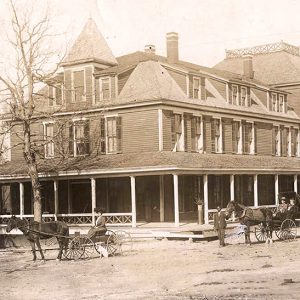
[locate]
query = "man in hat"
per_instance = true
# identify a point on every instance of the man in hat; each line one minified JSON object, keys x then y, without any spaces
{"x":282,"y":207}
{"x":220,"y":225}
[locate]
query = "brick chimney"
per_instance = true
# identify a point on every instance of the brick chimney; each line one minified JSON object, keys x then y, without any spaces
{"x":150,"y":49}
{"x":172,"y":47}
{"x":248,"y":66}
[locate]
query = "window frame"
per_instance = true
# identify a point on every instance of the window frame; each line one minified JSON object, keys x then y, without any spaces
{"x":83,"y":97}
{"x":83,"y":122}
{"x":237,"y":94}
{"x":51,"y":143}
{"x":101,"y":79}
{"x":243,"y":88}
{"x":199,"y":87}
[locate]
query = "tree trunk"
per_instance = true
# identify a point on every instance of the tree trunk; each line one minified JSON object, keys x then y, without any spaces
{"x":30,"y":159}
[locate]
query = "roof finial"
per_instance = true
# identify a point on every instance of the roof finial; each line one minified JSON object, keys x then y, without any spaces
{"x":93,"y":9}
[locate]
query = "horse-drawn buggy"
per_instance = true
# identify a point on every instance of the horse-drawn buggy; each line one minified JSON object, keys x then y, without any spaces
{"x":282,"y":219}
{"x":71,"y":247}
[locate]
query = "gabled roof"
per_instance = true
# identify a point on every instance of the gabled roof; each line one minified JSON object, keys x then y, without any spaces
{"x":272,"y":68}
{"x":150,"y":81}
{"x":90,"y":45}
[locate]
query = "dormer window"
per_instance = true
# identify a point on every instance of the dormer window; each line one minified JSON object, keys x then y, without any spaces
{"x":78,"y":86}
{"x":243,"y":100}
{"x":196,"y":88}
{"x":105,"y":88}
{"x":234,"y":94}
{"x":55,"y":95}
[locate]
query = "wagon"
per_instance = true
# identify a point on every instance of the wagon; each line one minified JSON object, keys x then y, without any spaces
{"x":111,"y":244}
{"x":284,"y":226}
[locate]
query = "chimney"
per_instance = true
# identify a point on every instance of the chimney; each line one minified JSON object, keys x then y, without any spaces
{"x":150,"y":49}
{"x":172,"y":47}
{"x":248,"y":66}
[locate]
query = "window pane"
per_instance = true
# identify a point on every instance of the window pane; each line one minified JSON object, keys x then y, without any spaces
{"x":105,"y":88}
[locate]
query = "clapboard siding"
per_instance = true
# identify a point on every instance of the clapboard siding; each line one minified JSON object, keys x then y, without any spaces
{"x":264,"y":139}
{"x":261,"y":95}
{"x":179,"y":78}
{"x":227,"y":135}
{"x":140,"y":131}
{"x":219,"y":86}
{"x":122,"y":79}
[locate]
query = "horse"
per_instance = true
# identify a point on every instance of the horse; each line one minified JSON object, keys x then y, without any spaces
{"x":251,"y":216}
{"x":34,"y":231}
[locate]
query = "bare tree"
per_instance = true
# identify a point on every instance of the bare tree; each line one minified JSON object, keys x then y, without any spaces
{"x":32,"y":66}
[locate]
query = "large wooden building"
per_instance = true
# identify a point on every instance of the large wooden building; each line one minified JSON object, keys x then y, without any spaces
{"x":148,"y":135}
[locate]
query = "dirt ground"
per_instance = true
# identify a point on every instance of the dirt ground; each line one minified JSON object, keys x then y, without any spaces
{"x":159,"y":270}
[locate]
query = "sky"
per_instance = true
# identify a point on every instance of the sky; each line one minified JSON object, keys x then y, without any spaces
{"x":205,"y":27}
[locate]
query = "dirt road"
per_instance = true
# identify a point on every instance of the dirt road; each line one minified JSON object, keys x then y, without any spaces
{"x":159,"y":270}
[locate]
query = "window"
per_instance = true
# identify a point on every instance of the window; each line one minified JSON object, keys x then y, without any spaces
{"x":105,"y":88}
{"x":216,"y":135}
{"x":281,"y":103}
{"x":234,"y":94}
{"x":48,"y":138}
{"x":243,"y":100}
{"x":196,"y":134}
{"x":247,"y":129}
{"x":78,"y":86}
{"x":236,"y":137}
{"x":55,"y":95}
{"x":274,"y":102}
{"x":276,"y":146}
{"x":196,"y":88}
{"x":79,"y":142}
{"x":177,"y":132}
{"x":5,"y":146}
{"x":110,"y":135}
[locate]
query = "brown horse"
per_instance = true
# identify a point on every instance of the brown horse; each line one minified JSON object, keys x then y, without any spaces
{"x":34,"y":231}
{"x":251,"y":216}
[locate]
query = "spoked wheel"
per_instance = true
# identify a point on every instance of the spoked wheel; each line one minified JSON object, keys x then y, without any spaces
{"x":124,"y":241}
{"x":88,"y":246}
{"x":112,"y":244}
{"x":279,"y":234}
{"x":288,"y":230}
{"x":75,"y":249}
{"x":260,"y":233}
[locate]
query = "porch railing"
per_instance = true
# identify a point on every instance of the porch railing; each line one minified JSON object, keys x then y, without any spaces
{"x":83,"y":219}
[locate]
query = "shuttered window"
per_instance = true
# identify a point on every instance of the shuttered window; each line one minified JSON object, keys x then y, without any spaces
{"x":274,"y":102}
{"x":235,"y":136}
{"x":176,"y":132}
{"x":196,"y":134}
{"x":79,"y":138}
{"x":243,"y":100}
{"x":48,"y":138}
{"x":247,"y":137}
{"x":110,"y":135}
{"x":78,"y":86}
{"x":283,"y":142}
{"x":281,"y":103}
{"x":215,"y":135}
{"x":276,"y":143}
{"x":294,"y":135}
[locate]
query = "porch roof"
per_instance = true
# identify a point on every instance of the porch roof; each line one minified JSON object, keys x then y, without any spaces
{"x":158,"y":162}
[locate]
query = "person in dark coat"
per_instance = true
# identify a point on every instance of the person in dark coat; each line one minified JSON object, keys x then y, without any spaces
{"x":220,"y":225}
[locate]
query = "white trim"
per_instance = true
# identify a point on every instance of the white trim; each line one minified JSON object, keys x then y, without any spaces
{"x":93,"y":196}
{"x":227,"y":92}
{"x":296,"y":183}
{"x":133,"y":200}
{"x":276,"y":189}
{"x":237,"y":94}
{"x":255,"y":189}
{"x":205,"y":191}
{"x":231,"y":187}
{"x":176,"y":200}
{"x":101,"y":87}
{"x":45,"y":139}
{"x":199,"y":89}
{"x":246,"y":96}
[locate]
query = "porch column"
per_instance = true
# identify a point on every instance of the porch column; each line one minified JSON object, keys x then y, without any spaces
{"x":161,"y":199}
{"x":296,"y":183}
{"x":55,"y":187}
{"x":93,"y":193}
{"x":276,"y":189}
{"x":231,"y":187}
{"x":176,"y":200}
{"x":255,"y":189}
{"x":205,"y":190}
{"x":133,"y":200}
{"x":21,"y":185}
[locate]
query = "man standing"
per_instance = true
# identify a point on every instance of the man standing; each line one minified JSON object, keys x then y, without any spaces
{"x":220,"y":225}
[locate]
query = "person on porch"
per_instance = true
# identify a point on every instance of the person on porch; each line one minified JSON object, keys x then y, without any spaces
{"x":220,"y":225}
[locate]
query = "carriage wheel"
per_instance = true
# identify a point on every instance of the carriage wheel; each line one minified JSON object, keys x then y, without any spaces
{"x":107,"y":245}
{"x":261,"y":233}
{"x":112,"y":244}
{"x":279,"y":234}
{"x":75,"y":249}
{"x":124,"y":241}
{"x":289,"y":230}
{"x":88,"y":246}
